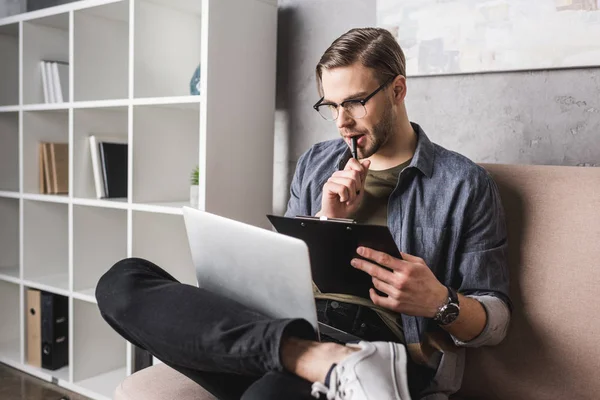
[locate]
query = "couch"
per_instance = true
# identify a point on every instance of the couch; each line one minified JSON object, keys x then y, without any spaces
{"x":552,"y":350}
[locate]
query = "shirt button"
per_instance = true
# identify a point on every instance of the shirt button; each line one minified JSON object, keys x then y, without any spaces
{"x":335,"y":304}
{"x":363,"y":325}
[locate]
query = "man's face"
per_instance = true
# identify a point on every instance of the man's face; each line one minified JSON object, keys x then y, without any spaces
{"x":356,"y":82}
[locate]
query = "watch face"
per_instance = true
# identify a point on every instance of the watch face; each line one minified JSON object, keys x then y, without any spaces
{"x":450,"y":314}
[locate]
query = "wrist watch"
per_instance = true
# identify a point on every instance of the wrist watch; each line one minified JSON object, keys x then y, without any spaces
{"x":448,"y":312}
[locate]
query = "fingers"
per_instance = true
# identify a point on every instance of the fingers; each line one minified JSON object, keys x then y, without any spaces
{"x":380,"y":258}
{"x":361,"y":167}
{"x":412,"y":259}
{"x":386,"y":302}
{"x":339,"y":189}
{"x":386,"y":288}
{"x":375,"y":271}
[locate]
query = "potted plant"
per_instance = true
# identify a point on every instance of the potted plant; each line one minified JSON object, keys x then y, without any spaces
{"x":194,"y":187}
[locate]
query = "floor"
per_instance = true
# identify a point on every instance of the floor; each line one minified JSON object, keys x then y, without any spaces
{"x":15,"y":385}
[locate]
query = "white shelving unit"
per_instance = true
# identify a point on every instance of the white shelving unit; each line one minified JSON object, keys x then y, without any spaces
{"x":130,"y":66}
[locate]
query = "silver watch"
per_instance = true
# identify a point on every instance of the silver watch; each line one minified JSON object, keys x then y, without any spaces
{"x":448,"y":312}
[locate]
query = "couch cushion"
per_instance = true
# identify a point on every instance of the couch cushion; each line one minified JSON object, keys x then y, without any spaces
{"x":552,"y":349}
{"x":160,"y":382}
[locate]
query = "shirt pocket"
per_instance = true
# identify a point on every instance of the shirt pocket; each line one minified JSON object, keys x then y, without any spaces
{"x":431,"y":244}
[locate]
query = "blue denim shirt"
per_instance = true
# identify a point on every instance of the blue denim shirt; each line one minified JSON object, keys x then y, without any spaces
{"x":445,"y":209}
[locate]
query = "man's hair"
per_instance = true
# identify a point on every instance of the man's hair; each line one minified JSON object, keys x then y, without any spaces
{"x":375,"y":48}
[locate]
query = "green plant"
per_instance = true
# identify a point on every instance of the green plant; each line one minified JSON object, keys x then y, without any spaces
{"x":194,"y":176}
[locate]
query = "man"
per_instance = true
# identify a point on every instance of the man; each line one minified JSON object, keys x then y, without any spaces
{"x":449,"y":290}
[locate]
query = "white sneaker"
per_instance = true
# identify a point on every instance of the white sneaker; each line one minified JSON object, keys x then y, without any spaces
{"x":376,"y":372}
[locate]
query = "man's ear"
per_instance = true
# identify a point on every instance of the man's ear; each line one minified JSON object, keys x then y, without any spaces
{"x":399,"y":85}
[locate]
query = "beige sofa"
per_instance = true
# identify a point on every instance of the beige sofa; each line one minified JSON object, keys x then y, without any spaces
{"x":552,"y":350}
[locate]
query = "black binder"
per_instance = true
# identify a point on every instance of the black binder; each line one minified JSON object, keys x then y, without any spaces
{"x":332,"y":244}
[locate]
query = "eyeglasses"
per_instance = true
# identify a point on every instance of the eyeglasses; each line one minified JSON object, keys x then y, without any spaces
{"x":355,"y":107}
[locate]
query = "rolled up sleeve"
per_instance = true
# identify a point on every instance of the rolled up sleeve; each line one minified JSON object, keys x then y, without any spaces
{"x":483,"y":260}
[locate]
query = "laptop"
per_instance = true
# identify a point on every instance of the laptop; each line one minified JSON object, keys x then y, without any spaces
{"x":265,"y":270}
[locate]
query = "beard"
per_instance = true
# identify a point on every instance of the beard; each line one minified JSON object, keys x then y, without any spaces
{"x":379,"y":135}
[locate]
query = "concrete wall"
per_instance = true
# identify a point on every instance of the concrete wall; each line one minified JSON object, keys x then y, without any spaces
{"x":539,"y":117}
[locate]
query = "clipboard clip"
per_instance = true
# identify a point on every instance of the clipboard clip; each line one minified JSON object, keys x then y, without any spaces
{"x":324,"y":218}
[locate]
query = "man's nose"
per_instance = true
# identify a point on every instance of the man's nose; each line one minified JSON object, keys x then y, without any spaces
{"x":344,"y":119}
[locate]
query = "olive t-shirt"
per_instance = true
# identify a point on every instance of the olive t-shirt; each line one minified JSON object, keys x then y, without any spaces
{"x":378,"y":187}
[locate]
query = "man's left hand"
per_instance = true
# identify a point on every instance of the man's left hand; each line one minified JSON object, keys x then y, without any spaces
{"x":411,"y":287}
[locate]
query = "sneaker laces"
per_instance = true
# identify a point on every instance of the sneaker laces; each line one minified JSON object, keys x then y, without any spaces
{"x":336,"y":389}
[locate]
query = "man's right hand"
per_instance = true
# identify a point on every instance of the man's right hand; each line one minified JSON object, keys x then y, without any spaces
{"x":344,"y":191}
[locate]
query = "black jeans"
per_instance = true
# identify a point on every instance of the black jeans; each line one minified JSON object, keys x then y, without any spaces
{"x":229,"y":349}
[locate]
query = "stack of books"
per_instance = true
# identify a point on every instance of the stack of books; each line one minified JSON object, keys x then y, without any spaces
{"x":54,"y":168}
{"x":55,"y":81}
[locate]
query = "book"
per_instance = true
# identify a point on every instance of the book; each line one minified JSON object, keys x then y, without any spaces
{"x":34,"y":328}
{"x":113,"y":157}
{"x":55,"y":81}
{"x":54,"y":168}
{"x":97,"y":168}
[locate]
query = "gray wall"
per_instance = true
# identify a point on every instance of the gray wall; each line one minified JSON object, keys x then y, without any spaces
{"x":539,"y":117}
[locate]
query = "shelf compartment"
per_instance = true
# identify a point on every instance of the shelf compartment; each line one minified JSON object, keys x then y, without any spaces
{"x":9,"y":151}
{"x":167,"y":47}
{"x":104,"y":122}
{"x":44,"y":39}
{"x":40,"y":126}
{"x":9,"y":64}
{"x":161,"y":170}
{"x":162,"y":239}
{"x":99,"y":241}
{"x":99,"y":353}
{"x":101,"y":52}
{"x":9,"y":239}
{"x":45,"y":245}
{"x":10,"y":332}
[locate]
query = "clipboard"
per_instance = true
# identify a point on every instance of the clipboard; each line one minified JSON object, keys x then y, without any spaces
{"x":332,"y":244}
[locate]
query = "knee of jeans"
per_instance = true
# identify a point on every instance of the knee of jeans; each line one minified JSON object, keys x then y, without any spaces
{"x":112,"y":290}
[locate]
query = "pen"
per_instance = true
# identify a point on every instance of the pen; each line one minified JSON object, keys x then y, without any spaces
{"x":354,"y":153}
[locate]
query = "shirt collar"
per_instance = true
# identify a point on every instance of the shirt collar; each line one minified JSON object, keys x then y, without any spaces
{"x":421,"y":160}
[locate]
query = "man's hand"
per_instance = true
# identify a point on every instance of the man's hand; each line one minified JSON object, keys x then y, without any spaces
{"x":411,"y":287}
{"x":344,"y":190}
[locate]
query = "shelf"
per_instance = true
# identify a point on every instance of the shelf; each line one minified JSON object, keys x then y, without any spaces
{"x":154,"y":233}
{"x":10,"y":344}
{"x":104,"y":122}
{"x":104,"y":384}
{"x":45,"y":244}
{"x":10,"y":351}
{"x":99,"y":353}
{"x":57,"y":284}
{"x":120,"y":204}
{"x":9,"y":238}
{"x":44,"y":39}
{"x":9,"y":274}
{"x":101,"y":52}
{"x":88,"y":295}
{"x":9,"y":195}
{"x":164,"y":208}
{"x":9,"y":151}
{"x":60,"y":374}
{"x":167,"y":47}
{"x":161,"y":171}
{"x":48,"y":198}
{"x":9,"y":64}
{"x":99,"y":241}
{"x":39,"y":126}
